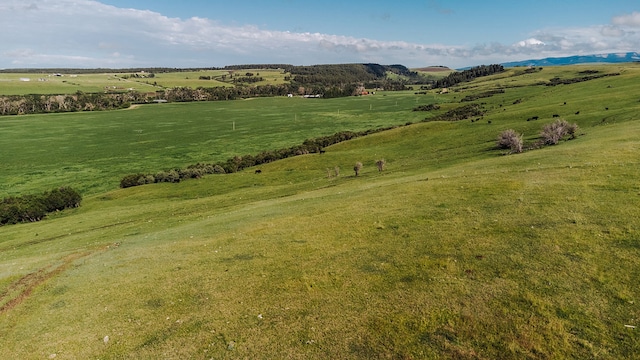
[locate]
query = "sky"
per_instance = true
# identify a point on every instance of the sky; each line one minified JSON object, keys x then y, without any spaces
{"x":214,"y":33}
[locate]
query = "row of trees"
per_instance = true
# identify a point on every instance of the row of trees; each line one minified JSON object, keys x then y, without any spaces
{"x":238,"y":163}
{"x":80,"y":101}
{"x":30,"y":208}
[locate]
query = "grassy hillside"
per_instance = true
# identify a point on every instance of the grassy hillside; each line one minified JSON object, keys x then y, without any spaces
{"x":453,"y":251}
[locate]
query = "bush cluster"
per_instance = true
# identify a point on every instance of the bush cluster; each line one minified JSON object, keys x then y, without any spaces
{"x":30,"y":208}
{"x":552,"y":133}
{"x":558,"y":81}
{"x":510,"y":139}
{"x":238,"y":163}
{"x":459,"y":113}
{"x":428,"y":107}
{"x":485,"y":94}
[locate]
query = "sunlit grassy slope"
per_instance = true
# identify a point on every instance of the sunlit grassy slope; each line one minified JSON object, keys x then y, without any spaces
{"x":453,"y":251}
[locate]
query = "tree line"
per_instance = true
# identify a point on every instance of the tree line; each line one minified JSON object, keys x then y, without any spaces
{"x":80,"y":101}
{"x":30,"y":208}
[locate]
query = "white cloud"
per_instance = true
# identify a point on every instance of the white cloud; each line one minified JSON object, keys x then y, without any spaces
{"x":530,"y":42}
{"x":630,"y":20}
{"x":87,"y":33}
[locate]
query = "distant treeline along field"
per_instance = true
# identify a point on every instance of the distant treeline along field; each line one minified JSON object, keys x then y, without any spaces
{"x":326,"y":81}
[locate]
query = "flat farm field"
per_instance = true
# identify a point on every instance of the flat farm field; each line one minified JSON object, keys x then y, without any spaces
{"x":94,"y":150}
{"x":69,"y":83}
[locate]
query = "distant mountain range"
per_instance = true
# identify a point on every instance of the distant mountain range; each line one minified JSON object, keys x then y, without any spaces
{"x":578,"y":59}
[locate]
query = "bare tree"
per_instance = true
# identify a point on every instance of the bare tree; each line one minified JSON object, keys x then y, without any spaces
{"x":510,"y":139}
{"x":380,"y":164}
{"x":357,"y":168}
{"x":552,"y":133}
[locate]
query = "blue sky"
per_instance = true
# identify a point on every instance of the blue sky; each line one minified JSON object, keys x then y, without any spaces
{"x":199,"y":33}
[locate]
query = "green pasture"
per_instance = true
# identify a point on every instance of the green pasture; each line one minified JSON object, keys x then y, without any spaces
{"x":28,"y":83}
{"x":433,"y":74}
{"x":92,"y":151}
{"x":454,"y":251}
{"x":192,"y":78}
{"x":50,"y":83}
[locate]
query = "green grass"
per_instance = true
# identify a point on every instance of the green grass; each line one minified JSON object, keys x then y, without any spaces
{"x":92,"y":151}
{"x":45,"y":83}
{"x":454,"y":251}
{"x":10,"y":84}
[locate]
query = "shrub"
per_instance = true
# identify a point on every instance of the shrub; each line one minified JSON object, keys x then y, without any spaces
{"x":572,"y":129}
{"x":380,"y":164}
{"x":60,"y":199}
{"x":217,"y":169}
{"x":357,"y":168}
{"x":510,"y":139}
{"x":428,"y":107}
{"x":190,"y":173}
{"x":552,"y":133}
{"x":131,"y":180}
{"x":167,"y":176}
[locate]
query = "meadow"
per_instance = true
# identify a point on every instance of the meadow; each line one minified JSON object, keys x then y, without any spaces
{"x":49,"y":83}
{"x":454,"y":251}
{"x":29,"y":83}
{"x":94,"y":150}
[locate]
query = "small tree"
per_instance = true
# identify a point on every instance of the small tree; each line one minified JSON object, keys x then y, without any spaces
{"x":337,"y":171}
{"x":357,"y":168}
{"x":380,"y":164}
{"x":510,"y":139}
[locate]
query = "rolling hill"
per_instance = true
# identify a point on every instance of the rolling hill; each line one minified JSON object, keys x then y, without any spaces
{"x":455,"y":250}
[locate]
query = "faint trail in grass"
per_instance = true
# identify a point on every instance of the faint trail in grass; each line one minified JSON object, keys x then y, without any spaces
{"x":20,"y":290}
{"x":47,"y":239}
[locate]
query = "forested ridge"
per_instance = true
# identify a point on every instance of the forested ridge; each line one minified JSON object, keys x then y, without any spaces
{"x":468,"y":75}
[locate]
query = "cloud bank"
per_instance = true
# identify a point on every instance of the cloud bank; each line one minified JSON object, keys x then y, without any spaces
{"x":86,"y":33}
